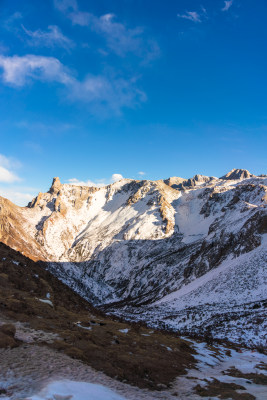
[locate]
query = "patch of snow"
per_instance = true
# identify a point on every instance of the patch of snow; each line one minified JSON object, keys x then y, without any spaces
{"x":167,"y":347}
{"x":47,"y":302}
{"x":66,"y":390}
{"x":213,"y":364}
{"x":124,"y":330}
{"x":88,"y":328}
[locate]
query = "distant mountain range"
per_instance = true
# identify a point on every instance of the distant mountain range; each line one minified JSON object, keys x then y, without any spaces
{"x":183,"y":254}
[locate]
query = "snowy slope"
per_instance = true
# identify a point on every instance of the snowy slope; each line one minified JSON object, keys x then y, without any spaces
{"x":228,"y":302}
{"x":76,"y":391}
{"x":174,"y":252}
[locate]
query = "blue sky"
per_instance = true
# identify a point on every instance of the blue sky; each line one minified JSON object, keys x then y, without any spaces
{"x":148,"y":89}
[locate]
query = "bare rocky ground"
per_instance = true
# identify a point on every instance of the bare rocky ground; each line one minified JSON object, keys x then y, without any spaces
{"x":49,"y":333}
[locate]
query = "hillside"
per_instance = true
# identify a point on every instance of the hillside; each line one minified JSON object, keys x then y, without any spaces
{"x":184,"y":254}
{"x":46,"y":312}
{"x":53,"y":344}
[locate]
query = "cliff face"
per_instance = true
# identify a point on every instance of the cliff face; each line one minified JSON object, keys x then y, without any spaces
{"x":13,"y":232}
{"x":134,"y":242}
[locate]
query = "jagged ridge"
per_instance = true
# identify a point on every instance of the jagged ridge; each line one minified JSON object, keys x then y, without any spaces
{"x":134,"y":242}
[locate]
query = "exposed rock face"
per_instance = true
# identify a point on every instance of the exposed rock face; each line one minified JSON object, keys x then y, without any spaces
{"x":235,"y":174}
{"x":134,"y":242}
{"x":13,"y":232}
{"x":195,"y":181}
{"x":56,"y":186}
{"x":174,"y":182}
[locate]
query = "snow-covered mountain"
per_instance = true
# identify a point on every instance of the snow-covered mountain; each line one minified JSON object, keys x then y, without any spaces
{"x":184,"y":254}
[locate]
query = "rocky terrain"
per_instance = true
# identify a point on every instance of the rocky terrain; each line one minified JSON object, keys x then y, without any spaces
{"x":44,"y":311}
{"x":183,"y":254}
{"x":55,"y":345}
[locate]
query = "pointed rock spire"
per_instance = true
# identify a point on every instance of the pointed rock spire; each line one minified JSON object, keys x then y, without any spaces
{"x":56,"y":186}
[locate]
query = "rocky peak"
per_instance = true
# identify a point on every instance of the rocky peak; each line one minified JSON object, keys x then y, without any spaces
{"x":174,"y":181}
{"x":235,"y":174}
{"x":201,"y":178}
{"x":197,"y":179}
{"x":56,"y":186}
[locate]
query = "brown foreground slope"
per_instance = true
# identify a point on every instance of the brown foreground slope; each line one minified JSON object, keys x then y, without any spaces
{"x":62,"y":320}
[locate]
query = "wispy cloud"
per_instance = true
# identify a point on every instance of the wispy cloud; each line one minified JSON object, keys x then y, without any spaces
{"x":17,"y":195}
{"x":107,"y":91}
{"x":191,"y":15}
{"x":119,"y":38}
{"x":98,"y":183}
{"x":33,"y":146}
{"x":44,"y":127}
{"x":12,"y":20}
{"x":17,"y":70}
{"x":3,"y":48}
{"x":7,"y":165}
{"x":141,"y":173}
{"x":81,"y":18}
{"x":66,"y":5}
{"x":78,"y":182}
{"x":53,"y":37}
{"x":10,"y":187}
{"x":227,"y":5}
{"x":100,"y":91}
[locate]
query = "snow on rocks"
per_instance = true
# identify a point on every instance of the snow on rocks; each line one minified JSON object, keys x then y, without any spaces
{"x":215,"y":364}
{"x":177,"y":247}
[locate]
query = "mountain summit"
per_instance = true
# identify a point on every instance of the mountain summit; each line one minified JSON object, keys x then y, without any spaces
{"x":235,"y":174}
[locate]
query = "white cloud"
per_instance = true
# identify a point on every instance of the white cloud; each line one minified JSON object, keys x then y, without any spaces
{"x":16,"y":69}
{"x":10,"y":23}
{"x":44,"y":126}
{"x":120,"y":39}
{"x":81,"y":18}
{"x":5,"y":161}
{"x":204,"y":11}
{"x":50,"y":38}
{"x":6,"y":170}
{"x":227,"y":5}
{"x":98,"y":183}
{"x":116,"y":177}
{"x":16,"y":195}
{"x":107,"y":92}
{"x":190,"y":15}
{"x":77,"y":182}
{"x":65,"y":5}
{"x":71,"y":9}
{"x":100,"y":91}
{"x":7,"y":176}
{"x":141,"y":173}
